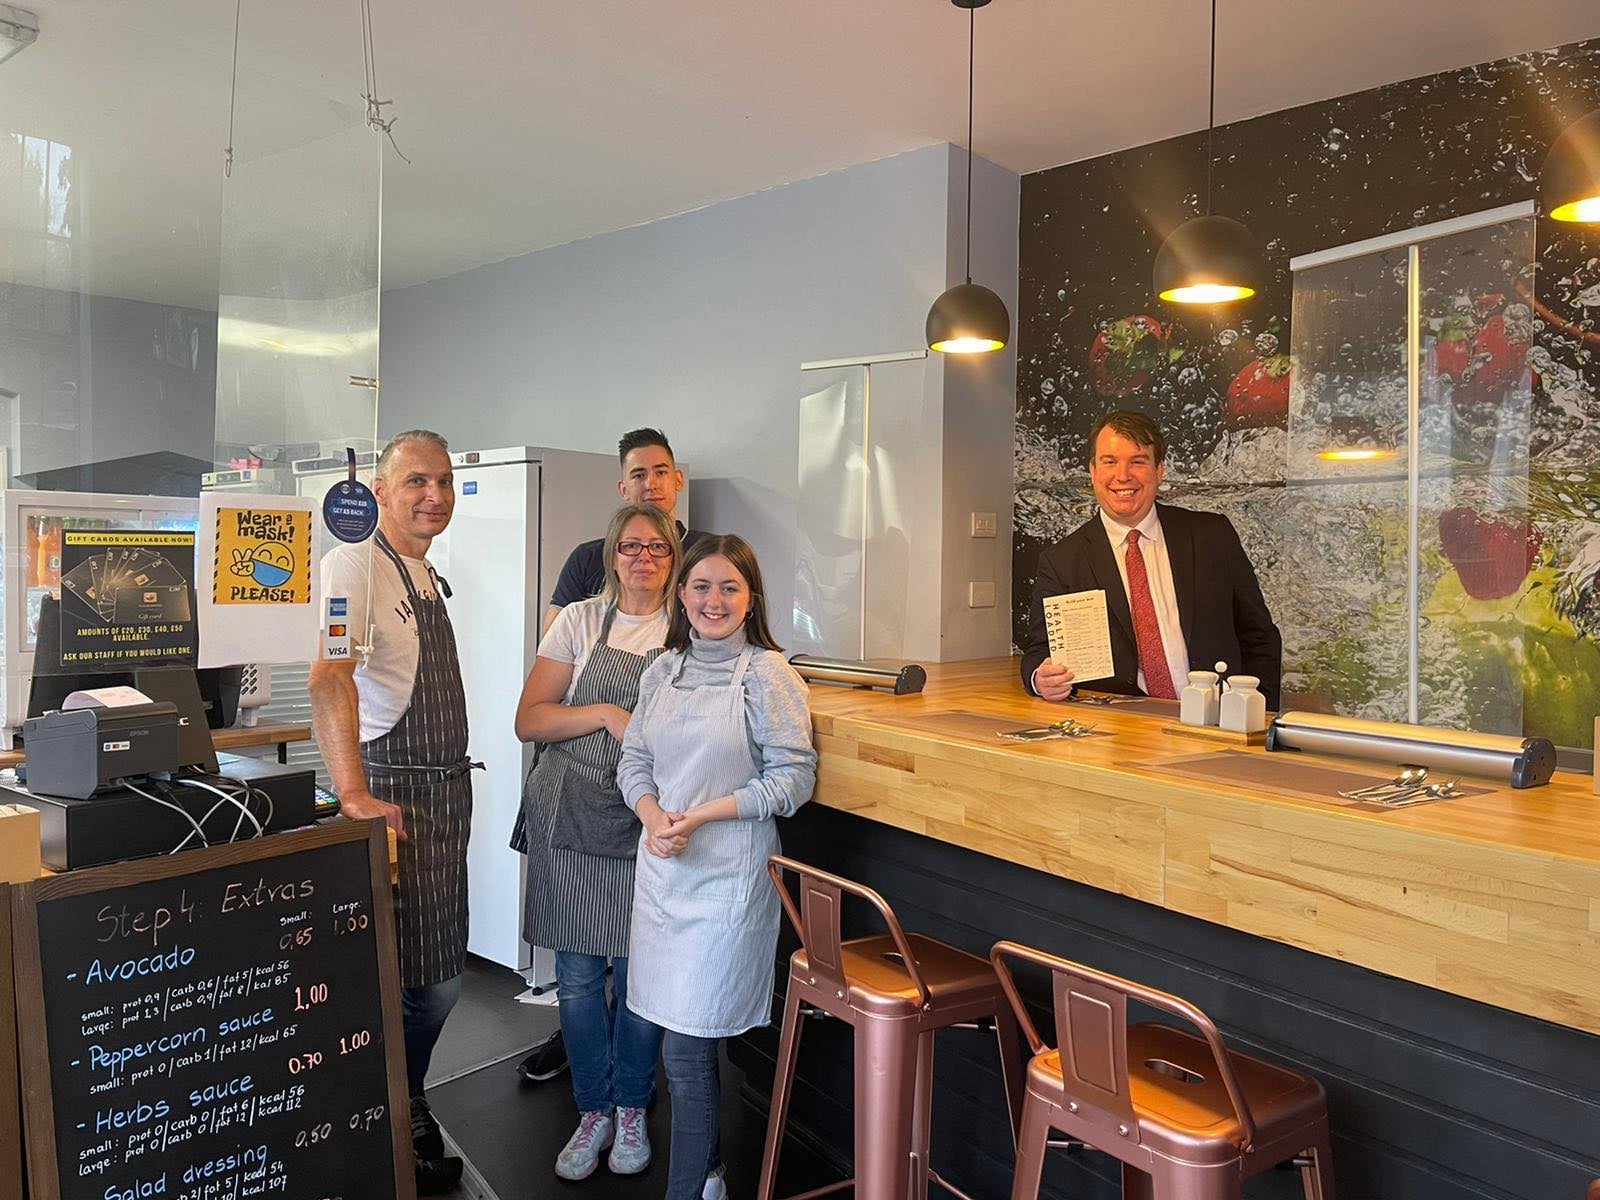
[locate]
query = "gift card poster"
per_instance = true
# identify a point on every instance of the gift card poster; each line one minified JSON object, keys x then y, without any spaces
{"x":127,"y":599}
{"x":262,"y":556}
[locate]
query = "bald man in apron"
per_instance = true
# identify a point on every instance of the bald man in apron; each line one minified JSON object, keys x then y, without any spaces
{"x":393,"y":732}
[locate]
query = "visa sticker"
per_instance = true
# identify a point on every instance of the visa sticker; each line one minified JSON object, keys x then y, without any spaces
{"x":469,"y":488}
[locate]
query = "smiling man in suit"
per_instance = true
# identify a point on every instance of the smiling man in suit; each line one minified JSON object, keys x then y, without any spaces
{"x":1180,"y":593}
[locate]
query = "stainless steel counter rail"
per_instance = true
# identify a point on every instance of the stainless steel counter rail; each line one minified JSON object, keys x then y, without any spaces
{"x":1520,"y":761}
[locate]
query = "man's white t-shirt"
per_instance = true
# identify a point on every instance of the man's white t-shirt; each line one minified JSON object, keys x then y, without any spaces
{"x":576,"y":629}
{"x":386,"y":674}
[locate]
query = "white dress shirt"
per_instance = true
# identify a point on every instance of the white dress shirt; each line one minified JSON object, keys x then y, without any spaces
{"x":1158,"y":568}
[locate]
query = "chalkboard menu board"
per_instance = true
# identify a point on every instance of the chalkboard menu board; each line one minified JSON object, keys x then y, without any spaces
{"x":10,"y":1111}
{"x":218,"y":1024}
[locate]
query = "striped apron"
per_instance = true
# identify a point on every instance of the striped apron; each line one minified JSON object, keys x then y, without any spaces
{"x":421,"y":765}
{"x":580,"y":903}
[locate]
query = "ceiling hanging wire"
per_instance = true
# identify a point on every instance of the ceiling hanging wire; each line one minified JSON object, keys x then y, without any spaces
{"x":233,"y":91}
{"x":369,"y":61}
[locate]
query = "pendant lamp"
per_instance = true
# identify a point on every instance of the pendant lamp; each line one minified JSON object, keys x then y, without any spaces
{"x":1569,"y":182}
{"x":968,"y":318}
{"x":1210,"y":259}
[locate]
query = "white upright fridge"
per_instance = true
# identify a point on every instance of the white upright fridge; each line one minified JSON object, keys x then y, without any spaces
{"x":519,"y":512}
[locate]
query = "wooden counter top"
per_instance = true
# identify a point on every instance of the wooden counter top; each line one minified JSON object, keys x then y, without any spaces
{"x":1493,"y":897}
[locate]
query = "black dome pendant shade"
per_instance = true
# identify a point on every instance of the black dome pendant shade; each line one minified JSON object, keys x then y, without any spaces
{"x":1209,"y":259}
{"x":1569,"y":182}
{"x":968,"y":318}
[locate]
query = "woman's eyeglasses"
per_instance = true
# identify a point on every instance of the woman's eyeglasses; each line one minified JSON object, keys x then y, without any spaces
{"x":634,"y":549}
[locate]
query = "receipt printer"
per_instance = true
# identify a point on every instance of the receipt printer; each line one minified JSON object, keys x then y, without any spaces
{"x":75,"y":754}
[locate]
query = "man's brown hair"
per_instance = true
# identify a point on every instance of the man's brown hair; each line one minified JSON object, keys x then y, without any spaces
{"x":1137,"y":427}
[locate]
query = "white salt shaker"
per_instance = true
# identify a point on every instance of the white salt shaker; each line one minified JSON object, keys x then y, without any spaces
{"x":1198,"y":704}
{"x":1244,"y":708}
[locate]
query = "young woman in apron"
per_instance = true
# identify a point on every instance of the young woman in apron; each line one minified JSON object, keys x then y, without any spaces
{"x":581,"y":840}
{"x":719,"y":746}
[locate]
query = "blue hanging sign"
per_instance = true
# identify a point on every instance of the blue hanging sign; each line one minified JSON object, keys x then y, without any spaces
{"x":350,"y":510}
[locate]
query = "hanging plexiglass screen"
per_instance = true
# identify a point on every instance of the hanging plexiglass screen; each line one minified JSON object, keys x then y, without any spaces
{"x":1414,"y":564}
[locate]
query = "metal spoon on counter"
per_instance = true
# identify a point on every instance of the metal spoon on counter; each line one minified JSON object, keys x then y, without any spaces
{"x":1434,"y":791}
{"x":1409,"y":778}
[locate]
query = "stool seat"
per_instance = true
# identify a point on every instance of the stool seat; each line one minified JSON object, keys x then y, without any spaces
{"x":1188,"y":1118}
{"x":878,"y":982}
{"x":1182,"y":1106}
{"x":896,"y":992}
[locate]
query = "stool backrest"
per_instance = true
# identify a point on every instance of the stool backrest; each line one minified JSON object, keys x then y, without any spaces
{"x":1594,"y":1190}
{"x":1091,"y":1012}
{"x":816,"y":920}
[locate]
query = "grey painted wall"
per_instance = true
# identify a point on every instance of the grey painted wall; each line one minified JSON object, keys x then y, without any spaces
{"x":698,"y":324}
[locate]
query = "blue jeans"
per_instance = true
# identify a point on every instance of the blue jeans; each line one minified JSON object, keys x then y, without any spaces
{"x":422,"y":1014}
{"x":612,"y":1051}
{"x":692,"y":1074}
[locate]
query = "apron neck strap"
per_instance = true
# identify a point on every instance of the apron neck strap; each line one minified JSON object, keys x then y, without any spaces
{"x":741,"y":666}
{"x":384,"y":544}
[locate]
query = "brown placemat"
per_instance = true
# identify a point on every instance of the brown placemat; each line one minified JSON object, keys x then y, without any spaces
{"x":1283,"y":775}
{"x":979,"y":726}
{"x":1143,"y":706}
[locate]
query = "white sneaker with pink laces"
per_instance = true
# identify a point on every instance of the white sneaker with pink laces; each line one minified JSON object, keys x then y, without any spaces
{"x":630,"y":1153}
{"x":581,"y":1155}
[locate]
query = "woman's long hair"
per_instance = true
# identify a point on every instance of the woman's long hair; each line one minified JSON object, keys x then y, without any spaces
{"x":665,"y":529}
{"x":738,"y":552}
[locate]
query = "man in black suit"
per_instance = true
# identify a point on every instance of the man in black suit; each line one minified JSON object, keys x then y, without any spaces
{"x":1180,"y":593}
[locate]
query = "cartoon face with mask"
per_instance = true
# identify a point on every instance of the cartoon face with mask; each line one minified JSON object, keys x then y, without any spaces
{"x":270,"y":566}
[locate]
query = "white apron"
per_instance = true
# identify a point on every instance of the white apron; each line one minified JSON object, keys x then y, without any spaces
{"x":705,"y":924}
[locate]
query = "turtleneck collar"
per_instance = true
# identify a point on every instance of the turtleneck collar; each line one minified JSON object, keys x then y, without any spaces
{"x":717,"y":651}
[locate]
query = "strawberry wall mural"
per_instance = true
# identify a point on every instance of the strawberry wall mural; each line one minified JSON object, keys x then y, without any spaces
{"x":1510,"y":556}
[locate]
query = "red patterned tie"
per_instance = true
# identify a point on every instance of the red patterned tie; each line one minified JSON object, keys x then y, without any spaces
{"x":1146,"y":628}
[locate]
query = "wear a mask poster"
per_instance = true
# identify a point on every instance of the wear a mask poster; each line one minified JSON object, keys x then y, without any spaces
{"x":127,"y":599}
{"x":257,"y":585}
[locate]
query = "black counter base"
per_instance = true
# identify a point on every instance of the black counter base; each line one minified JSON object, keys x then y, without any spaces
{"x":1432,"y":1097}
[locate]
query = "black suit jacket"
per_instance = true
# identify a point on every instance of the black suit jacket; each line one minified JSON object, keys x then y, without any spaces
{"x":1220,"y":606}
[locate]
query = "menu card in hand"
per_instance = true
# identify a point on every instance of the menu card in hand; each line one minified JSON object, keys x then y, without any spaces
{"x":1080,"y":634}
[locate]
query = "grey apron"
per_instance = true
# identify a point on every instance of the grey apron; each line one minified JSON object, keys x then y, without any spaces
{"x":579,"y":902}
{"x":705,"y":924}
{"x":421,"y":765}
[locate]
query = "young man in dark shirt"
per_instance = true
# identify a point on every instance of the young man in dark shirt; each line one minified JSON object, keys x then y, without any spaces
{"x":650,"y":475}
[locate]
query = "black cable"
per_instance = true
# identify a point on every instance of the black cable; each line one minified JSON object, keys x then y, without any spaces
{"x":1211,"y":115}
{"x":972,"y":35}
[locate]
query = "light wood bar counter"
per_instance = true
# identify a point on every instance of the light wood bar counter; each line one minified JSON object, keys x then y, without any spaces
{"x":1494,"y":897}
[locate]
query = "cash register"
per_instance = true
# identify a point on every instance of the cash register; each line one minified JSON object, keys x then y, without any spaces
{"x":124,"y":766}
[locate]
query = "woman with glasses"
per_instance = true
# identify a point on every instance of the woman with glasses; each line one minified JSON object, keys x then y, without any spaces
{"x":582,"y":840}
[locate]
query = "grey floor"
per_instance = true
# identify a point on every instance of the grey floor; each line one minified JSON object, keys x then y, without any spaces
{"x":488,"y":1024}
{"x":509,"y":1131}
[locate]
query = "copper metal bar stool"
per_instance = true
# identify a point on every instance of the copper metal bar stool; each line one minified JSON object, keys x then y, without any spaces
{"x":895,"y":990}
{"x":1188,"y":1118}
{"x":1594,"y":1190}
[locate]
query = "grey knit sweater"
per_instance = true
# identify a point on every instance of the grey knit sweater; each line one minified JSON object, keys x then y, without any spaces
{"x":783,"y":762}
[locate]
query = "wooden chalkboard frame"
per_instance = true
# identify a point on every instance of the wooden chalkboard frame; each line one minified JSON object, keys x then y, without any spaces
{"x":34,"y":1053}
{"x":10,"y":1078}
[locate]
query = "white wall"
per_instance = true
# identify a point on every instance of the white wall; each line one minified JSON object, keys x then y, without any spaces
{"x":697,"y":324}
{"x":980,"y":417}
